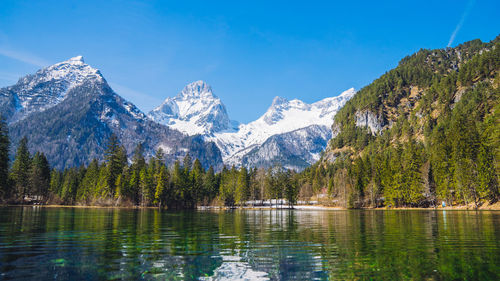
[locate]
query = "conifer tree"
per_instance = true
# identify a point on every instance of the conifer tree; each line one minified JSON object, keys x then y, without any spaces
{"x":21,"y":169}
{"x":210,"y":185}
{"x":116,"y":159}
{"x":133,"y":186}
{"x":88,"y":185}
{"x":5,"y":189}
{"x":69,"y":186}
{"x":161,"y":186}
{"x":242,"y":187}
{"x":290,"y":188}
{"x":197,"y":180}
{"x":56,"y":179}
{"x":145,"y":187}
{"x":40,"y":175}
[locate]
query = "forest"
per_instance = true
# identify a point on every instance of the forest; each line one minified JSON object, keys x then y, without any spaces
{"x":440,"y":136}
{"x":120,"y":182}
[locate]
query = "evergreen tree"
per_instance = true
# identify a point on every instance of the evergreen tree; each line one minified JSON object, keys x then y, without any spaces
{"x":133,"y":186}
{"x":21,"y":169}
{"x":177,"y":184}
{"x":242,"y":191}
{"x":161,"y":186}
{"x":116,"y":159}
{"x":228,"y":186}
{"x":56,"y":179}
{"x":5,"y":190}
{"x":123,"y":191}
{"x":138,"y":160}
{"x":69,"y":186}
{"x":197,"y":181}
{"x":104,"y":188}
{"x":145,"y":188}
{"x":290,"y":188}
{"x":88,"y":185}
{"x":486,"y":185}
{"x":210,"y":186}
{"x":160,"y":156}
{"x":40,"y":175}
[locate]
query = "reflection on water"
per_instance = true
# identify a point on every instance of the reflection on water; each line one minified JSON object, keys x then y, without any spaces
{"x":91,"y":244}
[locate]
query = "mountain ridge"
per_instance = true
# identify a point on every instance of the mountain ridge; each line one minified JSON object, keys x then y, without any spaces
{"x":282,"y":116}
{"x":68,"y":111}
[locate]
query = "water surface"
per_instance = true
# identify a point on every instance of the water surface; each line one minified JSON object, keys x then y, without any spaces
{"x":95,"y":244}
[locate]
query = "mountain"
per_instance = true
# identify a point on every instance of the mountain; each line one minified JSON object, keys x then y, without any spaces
{"x":282,"y":117}
{"x":424,"y":132}
{"x":196,"y":110}
{"x":292,"y":150}
{"x":68,"y":111}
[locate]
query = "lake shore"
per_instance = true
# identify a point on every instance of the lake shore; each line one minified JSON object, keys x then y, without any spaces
{"x":485,"y":206}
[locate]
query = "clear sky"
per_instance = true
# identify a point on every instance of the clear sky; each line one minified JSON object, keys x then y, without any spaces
{"x":249,"y":51}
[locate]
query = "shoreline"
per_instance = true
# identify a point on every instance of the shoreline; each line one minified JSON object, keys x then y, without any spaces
{"x":484,"y":207}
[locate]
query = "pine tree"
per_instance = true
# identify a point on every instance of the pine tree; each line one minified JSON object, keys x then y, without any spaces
{"x":175,"y":195}
{"x":197,"y":180}
{"x":161,"y":186}
{"x":145,"y":188}
{"x":160,"y":156}
{"x":88,"y":186}
{"x":56,"y":179}
{"x":123,"y":190}
{"x":138,"y":156}
{"x":69,"y":186}
{"x":228,"y":186}
{"x":486,"y":186}
{"x":40,"y":175}
{"x":133,"y":186}
{"x":5,"y":190}
{"x":21,"y":169}
{"x":210,"y":186}
{"x":104,"y":188}
{"x":116,"y":159}
{"x":242,"y":187}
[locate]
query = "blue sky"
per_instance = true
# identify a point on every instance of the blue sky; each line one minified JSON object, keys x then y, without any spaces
{"x":249,"y":51}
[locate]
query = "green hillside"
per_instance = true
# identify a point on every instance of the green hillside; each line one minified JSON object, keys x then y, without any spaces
{"x":423,"y":132}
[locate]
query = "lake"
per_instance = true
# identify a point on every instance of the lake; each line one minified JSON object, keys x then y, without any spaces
{"x":94,"y":244}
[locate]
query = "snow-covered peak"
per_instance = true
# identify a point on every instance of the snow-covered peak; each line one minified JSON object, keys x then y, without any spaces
{"x":197,"y":89}
{"x":329,"y":106}
{"x":49,"y":85}
{"x":77,"y":59}
{"x":195,"y":110}
{"x":279,"y":101}
{"x":282,"y":116}
{"x":67,"y":74}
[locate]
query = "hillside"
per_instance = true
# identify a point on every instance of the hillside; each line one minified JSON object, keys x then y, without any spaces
{"x":423,"y":132}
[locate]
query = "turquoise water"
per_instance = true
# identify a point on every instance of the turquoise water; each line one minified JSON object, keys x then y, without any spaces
{"x":114,"y":244}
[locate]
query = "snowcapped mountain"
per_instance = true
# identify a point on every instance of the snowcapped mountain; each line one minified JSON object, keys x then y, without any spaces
{"x":282,"y":117}
{"x":68,"y":111}
{"x":195,"y":110}
{"x":293,"y":150}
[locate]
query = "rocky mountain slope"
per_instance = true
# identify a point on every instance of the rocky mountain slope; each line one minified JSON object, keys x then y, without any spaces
{"x":68,"y":111}
{"x":196,"y":110}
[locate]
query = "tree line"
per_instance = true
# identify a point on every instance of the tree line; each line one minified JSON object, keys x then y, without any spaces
{"x":119,"y":181}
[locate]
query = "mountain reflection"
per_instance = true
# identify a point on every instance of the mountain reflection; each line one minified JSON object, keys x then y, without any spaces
{"x":86,"y":243}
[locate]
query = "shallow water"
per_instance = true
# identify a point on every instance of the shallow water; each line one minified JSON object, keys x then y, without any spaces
{"x":95,"y":244}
